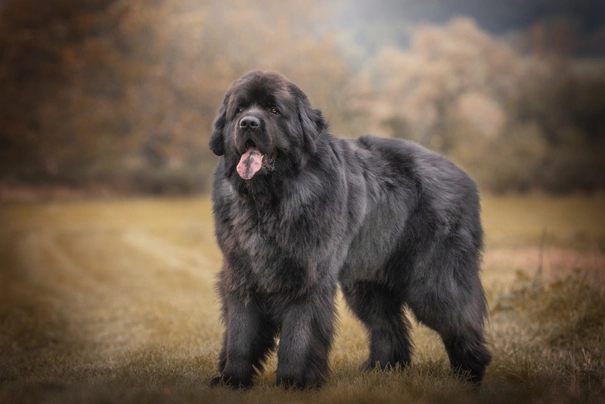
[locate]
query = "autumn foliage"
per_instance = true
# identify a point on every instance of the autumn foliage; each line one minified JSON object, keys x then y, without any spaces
{"x":123,"y":93}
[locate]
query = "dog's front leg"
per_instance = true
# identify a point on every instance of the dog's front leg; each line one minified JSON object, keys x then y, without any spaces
{"x":248,"y":337}
{"x":306,"y":337}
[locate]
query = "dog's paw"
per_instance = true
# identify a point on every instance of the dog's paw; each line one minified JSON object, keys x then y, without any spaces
{"x":299,"y":383}
{"x":231,"y":382}
{"x":370,"y":365}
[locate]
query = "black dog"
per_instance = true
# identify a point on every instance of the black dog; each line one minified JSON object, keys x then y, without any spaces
{"x":297,"y":210}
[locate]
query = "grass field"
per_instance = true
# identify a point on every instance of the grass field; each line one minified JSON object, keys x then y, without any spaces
{"x":113,"y":301}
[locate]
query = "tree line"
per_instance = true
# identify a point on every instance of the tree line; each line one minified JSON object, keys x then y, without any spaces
{"x":123,"y":93}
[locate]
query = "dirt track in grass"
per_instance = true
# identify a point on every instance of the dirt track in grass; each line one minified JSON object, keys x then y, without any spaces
{"x":113,"y":301}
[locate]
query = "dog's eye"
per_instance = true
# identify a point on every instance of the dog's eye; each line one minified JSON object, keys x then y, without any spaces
{"x":274,"y":110}
{"x":240,"y":109}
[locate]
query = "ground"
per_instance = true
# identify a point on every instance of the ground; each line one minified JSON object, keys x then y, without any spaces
{"x":113,"y":301}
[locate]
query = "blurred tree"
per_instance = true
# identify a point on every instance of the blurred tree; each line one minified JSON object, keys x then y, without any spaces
{"x":123,"y":92}
{"x":424,"y":85}
{"x":510,"y":119}
{"x":113,"y":90}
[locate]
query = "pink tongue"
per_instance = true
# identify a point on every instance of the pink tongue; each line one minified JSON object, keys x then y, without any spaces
{"x":249,"y":163}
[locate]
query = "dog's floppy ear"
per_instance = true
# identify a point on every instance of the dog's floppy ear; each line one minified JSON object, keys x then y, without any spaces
{"x":311,"y":120}
{"x":217,"y":140}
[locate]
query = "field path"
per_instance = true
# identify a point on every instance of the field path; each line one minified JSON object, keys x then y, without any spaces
{"x":115,"y":279}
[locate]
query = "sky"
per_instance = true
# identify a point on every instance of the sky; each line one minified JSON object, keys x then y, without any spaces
{"x":495,"y":16}
{"x":388,"y":20}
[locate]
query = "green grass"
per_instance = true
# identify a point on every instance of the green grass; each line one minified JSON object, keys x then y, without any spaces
{"x":113,"y":301}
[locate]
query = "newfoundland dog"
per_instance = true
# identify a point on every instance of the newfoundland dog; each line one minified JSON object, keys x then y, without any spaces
{"x":298,"y":211}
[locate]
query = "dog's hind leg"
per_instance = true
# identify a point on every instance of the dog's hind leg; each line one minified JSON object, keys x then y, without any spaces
{"x":468,"y":353}
{"x":451,"y":302}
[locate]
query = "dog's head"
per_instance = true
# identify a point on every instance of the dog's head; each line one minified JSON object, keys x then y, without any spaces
{"x":266,"y":123}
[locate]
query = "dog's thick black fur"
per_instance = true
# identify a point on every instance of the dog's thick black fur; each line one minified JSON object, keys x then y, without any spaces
{"x":395,"y":224}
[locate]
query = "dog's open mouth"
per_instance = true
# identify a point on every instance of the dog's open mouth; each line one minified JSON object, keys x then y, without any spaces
{"x":253,"y":160}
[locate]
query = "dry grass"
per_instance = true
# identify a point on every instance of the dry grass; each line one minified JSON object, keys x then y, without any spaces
{"x":113,"y":301}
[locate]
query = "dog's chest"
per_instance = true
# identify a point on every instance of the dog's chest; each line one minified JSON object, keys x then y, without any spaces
{"x":257,"y":232}
{"x":276,"y":262}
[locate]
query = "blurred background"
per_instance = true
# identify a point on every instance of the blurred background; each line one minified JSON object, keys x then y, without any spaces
{"x":110,"y":299}
{"x":118,"y":96}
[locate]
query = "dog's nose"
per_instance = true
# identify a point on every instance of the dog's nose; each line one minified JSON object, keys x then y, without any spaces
{"x":249,"y":122}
